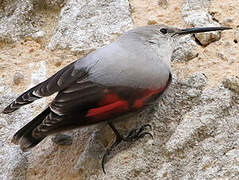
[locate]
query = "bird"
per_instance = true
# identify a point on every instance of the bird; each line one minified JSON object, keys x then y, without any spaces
{"x":109,"y":84}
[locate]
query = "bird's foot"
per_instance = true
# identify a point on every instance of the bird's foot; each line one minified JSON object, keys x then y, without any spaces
{"x":133,"y":136}
{"x":62,"y":139}
{"x":139,"y":133}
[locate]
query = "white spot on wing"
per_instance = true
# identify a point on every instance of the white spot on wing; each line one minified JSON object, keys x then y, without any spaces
{"x":38,"y":76}
{"x":56,"y":112}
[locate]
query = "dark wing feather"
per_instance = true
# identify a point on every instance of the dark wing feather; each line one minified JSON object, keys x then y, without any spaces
{"x":78,"y":97}
{"x":57,"y":82}
{"x":70,"y":106}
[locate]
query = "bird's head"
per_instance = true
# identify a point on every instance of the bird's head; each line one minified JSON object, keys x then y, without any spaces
{"x":163,"y":39}
{"x":161,"y":33}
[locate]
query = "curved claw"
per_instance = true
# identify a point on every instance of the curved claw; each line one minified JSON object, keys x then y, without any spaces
{"x":144,"y":134}
{"x":103,"y":161}
{"x":136,"y":134}
{"x":142,"y":128}
{"x":131,"y":133}
{"x":146,"y":125}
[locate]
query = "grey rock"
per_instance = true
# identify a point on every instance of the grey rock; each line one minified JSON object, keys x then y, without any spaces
{"x":201,"y":121}
{"x":49,"y":4}
{"x":16,"y":19}
{"x":102,"y":137}
{"x":232,"y":83}
{"x":185,"y":49}
{"x":39,"y":75}
{"x":206,"y":131}
{"x":89,"y":161}
{"x":228,"y":21}
{"x":18,"y":78}
{"x":237,"y":34}
{"x":196,"y":80}
{"x":14,"y":162}
{"x":19,"y":18}
{"x":196,"y":14}
{"x":62,"y":139}
{"x":163,"y":3}
{"x":38,"y":35}
{"x":86,"y":25}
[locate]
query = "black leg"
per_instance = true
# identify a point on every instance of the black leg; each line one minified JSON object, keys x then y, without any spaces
{"x":133,"y":135}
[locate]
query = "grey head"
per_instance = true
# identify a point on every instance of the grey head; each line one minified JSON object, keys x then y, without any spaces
{"x":163,"y":39}
{"x":160,"y":33}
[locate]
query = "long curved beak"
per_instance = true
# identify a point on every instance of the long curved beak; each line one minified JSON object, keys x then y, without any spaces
{"x":200,"y":29}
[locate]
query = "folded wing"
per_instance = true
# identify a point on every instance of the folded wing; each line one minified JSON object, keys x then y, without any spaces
{"x":55,"y":83}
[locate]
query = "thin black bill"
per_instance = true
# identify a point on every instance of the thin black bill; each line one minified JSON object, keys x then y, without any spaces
{"x":201,"y":29}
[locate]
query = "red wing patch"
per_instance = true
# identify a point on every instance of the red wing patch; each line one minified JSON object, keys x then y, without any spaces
{"x":109,"y":99}
{"x":112,"y":105}
{"x":139,"y":103}
{"x":107,"y":111}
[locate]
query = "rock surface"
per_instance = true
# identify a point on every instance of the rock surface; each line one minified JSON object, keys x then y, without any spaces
{"x":195,"y":125}
{"x":185,"y":49}
{"x":196,"y":14}
{"x":15,"y":21}
{"x":86,"y":25}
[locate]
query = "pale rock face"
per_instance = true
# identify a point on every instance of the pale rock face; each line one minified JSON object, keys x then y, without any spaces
{"x":87,"y":24}
{"x":237,"y":35}
{"x":185,"y":49}
{"x":232,"y":83}
{"x":195,"y":125}
{"x":196,"y":14}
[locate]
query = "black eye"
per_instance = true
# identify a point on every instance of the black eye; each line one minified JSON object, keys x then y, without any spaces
{"x":164,"y":31}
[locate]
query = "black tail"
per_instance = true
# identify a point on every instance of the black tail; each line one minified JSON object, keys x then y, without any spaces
{"x":24,"y":135}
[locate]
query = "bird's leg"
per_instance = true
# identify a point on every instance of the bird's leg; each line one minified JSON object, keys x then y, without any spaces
{"x":133,"y":135}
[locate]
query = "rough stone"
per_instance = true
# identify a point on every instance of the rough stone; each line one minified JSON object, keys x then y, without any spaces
{"x":196,"y":14}
{"x":14,"y":161}
{"x":19,"y":18}
{"x":86,"y":25}
{"x":163,"y":3}
{"x":201,"y":121}
{"x":18,"y":77}
{"x":15,"y":19}
{"x":232,"y":83}
{"x":38,"y":35}
{"x":185,"y":49}
{"x":50,"y":4}
{"x":237,"y":35}
{"x":228,"y":21}
{"x":196,"y":80}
